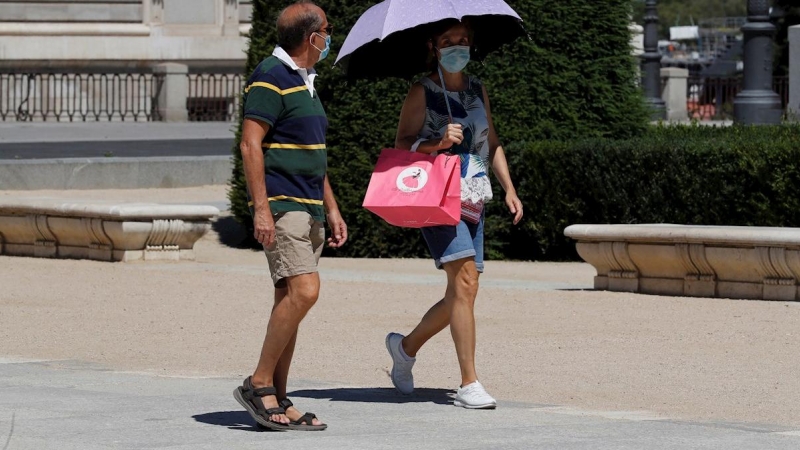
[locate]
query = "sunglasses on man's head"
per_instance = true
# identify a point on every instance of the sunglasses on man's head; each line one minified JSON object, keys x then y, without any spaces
{"x":328,"y":30}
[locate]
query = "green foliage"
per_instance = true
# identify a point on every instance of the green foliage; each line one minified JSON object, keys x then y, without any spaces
{"x":574,"y":78}
{"x":681,"y":174}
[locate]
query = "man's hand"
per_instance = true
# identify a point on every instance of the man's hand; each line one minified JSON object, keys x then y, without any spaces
{"x":514,"y":206}
{"x":338,"y":229}
{"x":264,"y":226}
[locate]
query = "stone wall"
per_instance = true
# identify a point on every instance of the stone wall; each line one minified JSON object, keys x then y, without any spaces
{"x":127,"y":34}
{"x":117,"y":11}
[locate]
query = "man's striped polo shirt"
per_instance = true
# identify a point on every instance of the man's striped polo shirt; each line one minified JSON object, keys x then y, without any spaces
{"x":295,"y":157}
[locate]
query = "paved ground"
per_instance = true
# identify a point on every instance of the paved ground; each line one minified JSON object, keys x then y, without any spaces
{"x":89,"y":408}
{"x":145,"y":355}
{"x":98,"y":139}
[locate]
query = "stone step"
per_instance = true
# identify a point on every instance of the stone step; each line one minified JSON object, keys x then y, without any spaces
{"x":115,"y":173}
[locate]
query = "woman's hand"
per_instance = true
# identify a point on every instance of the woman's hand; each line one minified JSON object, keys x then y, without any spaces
{"x":453,"y":135}
{"x":514,"y":206}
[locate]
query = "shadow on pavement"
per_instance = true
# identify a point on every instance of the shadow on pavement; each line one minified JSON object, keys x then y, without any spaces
{"x":234,"y":420}
{"x":377,"y":395}
{"x":232,"y":234}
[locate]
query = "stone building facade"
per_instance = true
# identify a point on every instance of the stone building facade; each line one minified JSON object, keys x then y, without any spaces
{"x":119,"y":34}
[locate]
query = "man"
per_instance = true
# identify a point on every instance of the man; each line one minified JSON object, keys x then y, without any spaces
{"x":290,"y":198}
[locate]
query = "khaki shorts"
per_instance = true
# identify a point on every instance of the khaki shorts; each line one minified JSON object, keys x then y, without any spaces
{"x":298,"y":245}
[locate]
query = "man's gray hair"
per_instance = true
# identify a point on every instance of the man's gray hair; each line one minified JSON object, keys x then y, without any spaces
{"x":293,"y":31}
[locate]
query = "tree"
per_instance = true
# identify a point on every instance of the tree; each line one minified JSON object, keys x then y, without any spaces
{"x":574,"y":77}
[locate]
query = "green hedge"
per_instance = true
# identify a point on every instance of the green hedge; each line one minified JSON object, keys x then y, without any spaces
{"x":682,"y":174}
{"x":574,"y":77}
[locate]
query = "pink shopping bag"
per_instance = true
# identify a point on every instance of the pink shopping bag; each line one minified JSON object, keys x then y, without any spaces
{"x":415,"y":190}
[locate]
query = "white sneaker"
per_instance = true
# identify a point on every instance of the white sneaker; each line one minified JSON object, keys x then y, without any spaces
{"x":401,"y":375}
{"x":474,"y":396}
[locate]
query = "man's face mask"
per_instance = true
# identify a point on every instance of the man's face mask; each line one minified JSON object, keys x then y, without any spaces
{"x":323,"y":52}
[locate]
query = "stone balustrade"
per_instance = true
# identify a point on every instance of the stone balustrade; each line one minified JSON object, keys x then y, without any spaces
{"x":105,"y":231}
{"x":697,"y":261}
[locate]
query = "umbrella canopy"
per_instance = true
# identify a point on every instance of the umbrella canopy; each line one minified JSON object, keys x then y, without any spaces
{"x":390,"y":39}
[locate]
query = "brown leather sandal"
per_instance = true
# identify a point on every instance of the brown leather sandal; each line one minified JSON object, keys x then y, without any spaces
{"x":304,"y":423}
{"x":250,"y":399}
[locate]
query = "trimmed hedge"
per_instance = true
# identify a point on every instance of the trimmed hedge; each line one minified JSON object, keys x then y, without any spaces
{"x":574,"y":77}
{"x":681,"y":174}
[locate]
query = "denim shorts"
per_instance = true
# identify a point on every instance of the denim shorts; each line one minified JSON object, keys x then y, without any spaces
{"x":451,"y":243}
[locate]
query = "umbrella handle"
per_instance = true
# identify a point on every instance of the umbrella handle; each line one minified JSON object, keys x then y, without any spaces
{"x":446,"y":97}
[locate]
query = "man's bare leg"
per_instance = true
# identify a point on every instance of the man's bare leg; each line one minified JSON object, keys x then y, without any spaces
{"x":302,"y":292}
{"x":281,"y":376}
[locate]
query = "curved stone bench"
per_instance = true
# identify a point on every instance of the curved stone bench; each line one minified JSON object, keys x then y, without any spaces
{"x":105,"y":231}
{"x":699,"y":261}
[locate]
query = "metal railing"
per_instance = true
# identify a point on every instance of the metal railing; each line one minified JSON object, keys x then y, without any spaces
{"x":781,"y":86}
{"x":69,"y":97}
{"x":712,"y":98}
{"x":214,"y":97}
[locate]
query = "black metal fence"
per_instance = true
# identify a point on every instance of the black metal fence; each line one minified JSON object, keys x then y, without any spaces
{"x":70,"y":97}
{"x":712,"y":98}
{"x":214,"y":97}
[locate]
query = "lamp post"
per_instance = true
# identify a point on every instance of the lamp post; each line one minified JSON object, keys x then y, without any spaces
{"x":651,"y":63}
{"x":757,"y":103}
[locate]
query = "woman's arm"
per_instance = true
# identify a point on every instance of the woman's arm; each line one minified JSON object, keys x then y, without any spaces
{"x":412,"y":118}
{"x":497,"y":156}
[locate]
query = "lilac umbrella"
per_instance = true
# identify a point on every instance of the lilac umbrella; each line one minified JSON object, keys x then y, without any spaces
{"x":390,"y":39}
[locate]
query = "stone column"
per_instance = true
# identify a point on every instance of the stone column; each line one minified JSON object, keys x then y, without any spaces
{"x":675,"y":93}
{"x":154,"y":12}
{"x":651,"y":63}
{"x":172,"y":93}
{"x":794,"y":73}
{"x":757,"y":103}
{"x":230,"y":19}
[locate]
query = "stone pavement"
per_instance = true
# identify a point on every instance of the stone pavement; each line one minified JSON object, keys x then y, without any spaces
{"x":70,"y":405}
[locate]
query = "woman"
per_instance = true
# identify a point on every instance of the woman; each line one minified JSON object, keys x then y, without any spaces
{"x":462,"y":126}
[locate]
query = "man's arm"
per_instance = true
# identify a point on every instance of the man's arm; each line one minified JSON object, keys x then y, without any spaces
{"x":253,"y":132}
{"x":338,"y":227}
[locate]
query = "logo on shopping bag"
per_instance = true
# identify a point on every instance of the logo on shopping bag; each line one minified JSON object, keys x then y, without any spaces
{"x":412,"y":179}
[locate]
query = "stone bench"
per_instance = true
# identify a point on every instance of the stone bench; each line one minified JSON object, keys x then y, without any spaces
{"x":105,"y":231}
{"x":697,"y":261}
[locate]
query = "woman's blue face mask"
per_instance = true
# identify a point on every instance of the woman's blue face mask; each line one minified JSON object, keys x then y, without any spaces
{"x":455,"y":58}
